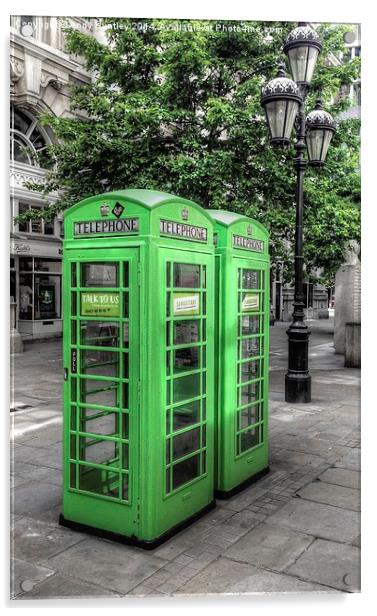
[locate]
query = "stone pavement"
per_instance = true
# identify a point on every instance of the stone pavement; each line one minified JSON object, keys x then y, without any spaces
{"x":297,"y":529}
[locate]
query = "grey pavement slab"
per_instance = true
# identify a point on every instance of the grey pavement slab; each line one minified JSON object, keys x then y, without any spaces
{"x":38,"y":456}
{"x":116,"y":567}
{"x":35,"y":541}
{"x":269,"y":547}
{"x":334,"y":564}
{"x":351,"y":460}
{"x":293,"y":460}
{"x":35,"y":497}
{"x":341,"y":477}
{"x":60,"y":586}
{"x":319,"y":520}
{"x":225,"y":576}
{"x":26,"y":472}
{"x":339,"y":496}
{"x":25,"y":575}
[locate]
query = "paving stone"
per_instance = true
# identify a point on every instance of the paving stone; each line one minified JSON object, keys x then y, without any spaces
{"x":35,"y":497}
{"x":24,"y":575}
{"x":169,"y":550}
{"x":244,"y":499}
{"x":60,"y":586}
{"x":331,"y":494}
{"x":35,"y":541}
{"x":245,"y":519}
{"x":225,"y":576}
{"x":38,"y":456}
{"x":351,"y":460}
{"x":341,"y":477}
{"x":116,"y":567}
{"x":334,"y":564}
{"x":319,"y":520}
{"x":269,"y":547}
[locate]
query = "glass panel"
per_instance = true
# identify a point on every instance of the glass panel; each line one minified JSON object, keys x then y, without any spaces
{"x":168,"y":268}
{"x":105,"y":424}
{"x":204,"y":276}
{"x":125,"y":395}
{"x":73,"y":303}
{"x":125,"y":487}
{"x":126,"y":425}
{"x":73,"y":389}
{"x":36,"y":226}
{"x":72,"y":480}
{"x":125,"y":335}
{"x":186,"y":471}
{"x":125,"y":274}
{"x":186,"y":275}
{"x":125,"y":305}
{"x":186,"y":387}
{"x":248,"y":416}
{"x":125,"y":457}
{"x":186,"y":443}
{"x":26,"y":296}
{"x":26,"y":264}
{"x":73,"y":418}
{"x":186,"y":415}
{"x":249,"y":347}
{"x":52,"y":265}
{"x":250,"y":370}
{"x":100,"y":333}
{"x":249,"y":393}
{"x":168,"y":304}
{"x":292,"y":109}
{"x":186,"y":332}
{"x":250,"y":279}
{"x":99,"y":275}
{"x":249,"y":439}
{"x":47,"y":297}
{"x":248,"y":325}
{"x":186,"y":359}
{"x":73,"y":275}
{"x":101,"y":363}
{"x":99,"y":481}
{"x":103,"y":393}
{"x":302,"y":61}
{"x":168,"y":485}
{"x":125,"y":365}
{"x":168,"y":451}
{"x":276,"y":111}
{"x":97,"y":451}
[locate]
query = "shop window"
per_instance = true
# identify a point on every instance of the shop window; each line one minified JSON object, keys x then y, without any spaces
{"x":40,"y":289}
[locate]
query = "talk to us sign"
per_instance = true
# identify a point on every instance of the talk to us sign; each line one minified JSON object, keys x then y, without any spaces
{"x":185,"y":303}
{"x":250,"y":302}
{"x":100,"y":304}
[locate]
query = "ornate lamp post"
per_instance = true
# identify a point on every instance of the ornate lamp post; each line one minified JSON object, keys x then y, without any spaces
{"x":284,"y":104}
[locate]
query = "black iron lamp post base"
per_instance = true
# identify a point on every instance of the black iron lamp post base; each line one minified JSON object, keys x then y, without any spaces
{"x":298,"y":379}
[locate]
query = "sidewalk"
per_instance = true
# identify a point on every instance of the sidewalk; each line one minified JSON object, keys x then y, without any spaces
{"x":297,"y":529}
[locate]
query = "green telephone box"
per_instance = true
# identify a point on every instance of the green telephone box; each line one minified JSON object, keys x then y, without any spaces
{"x":242,"y":346}
{"x":139,"y":365}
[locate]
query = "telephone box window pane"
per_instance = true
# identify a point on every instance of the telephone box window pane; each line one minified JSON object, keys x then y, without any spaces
{"x":168,"y":304}
{"x":186,"y":387}
{"x":72,"y":480}
{"x":248,"y":416}
{"x":125,"y":305}
{"x":186,"y":332}
{"x":186,"y":359}
{"x":249,"y":393}
{"x":125,"y":487}
{"x":73,"y":418}
{"x":125,"y":458}
{"x":204,"y":276}
{"x":100,"y":333}
{"x":251,"y":279}
{"x":186,"y":443}
{"x":125,"y":395}
{"x":102,"y":393}
{"x":168,"y":268}
{"x":185,"y":471}
{"x":186,"y":415}
{"x":125,"y":365}
{"x":125,"y":274}
{"x":73,"y":446}
{"x":73,"y":389}
{"x":249,"y":325}
{"x":99,"y":275}
{"x":168,"y":485}
{"x":168,"y":451}
{"x":168,"y":392}
{"x":73,"y":275}
{"x":186,"y":275}
{"x":126,"y":423}
{"x":250,"y":370}
{"x":73,"y":304}
{"x":249,"y":348}
{"x":73,"y":332}
{"x":126,"y":335}
{"x":104,"y":425}
{"x":99,"y":481}
{"x":99,"y":452}
{"x":249,"y":439}
{"x":100,"y":363}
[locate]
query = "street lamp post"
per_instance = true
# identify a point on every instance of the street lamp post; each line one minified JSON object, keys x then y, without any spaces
{"x":283,"y":100}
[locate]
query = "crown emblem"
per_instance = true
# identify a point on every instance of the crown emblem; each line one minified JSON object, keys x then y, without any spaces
{"x":104,"y":209}
{"x":185,"y":213}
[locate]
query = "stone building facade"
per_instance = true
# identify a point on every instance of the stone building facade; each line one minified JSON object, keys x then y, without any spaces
{"x":40,"y":75}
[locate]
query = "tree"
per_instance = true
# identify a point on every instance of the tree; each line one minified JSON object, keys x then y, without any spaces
{"x":175,"y":106}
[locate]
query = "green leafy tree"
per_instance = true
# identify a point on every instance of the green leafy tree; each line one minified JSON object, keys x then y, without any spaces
{"x":175,"y":106}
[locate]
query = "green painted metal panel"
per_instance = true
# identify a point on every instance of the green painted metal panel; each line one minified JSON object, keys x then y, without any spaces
{"x":138,"y":357}
{"x":242,"y":346}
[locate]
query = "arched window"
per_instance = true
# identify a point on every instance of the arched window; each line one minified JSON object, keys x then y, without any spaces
{"x":27,"y":139}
